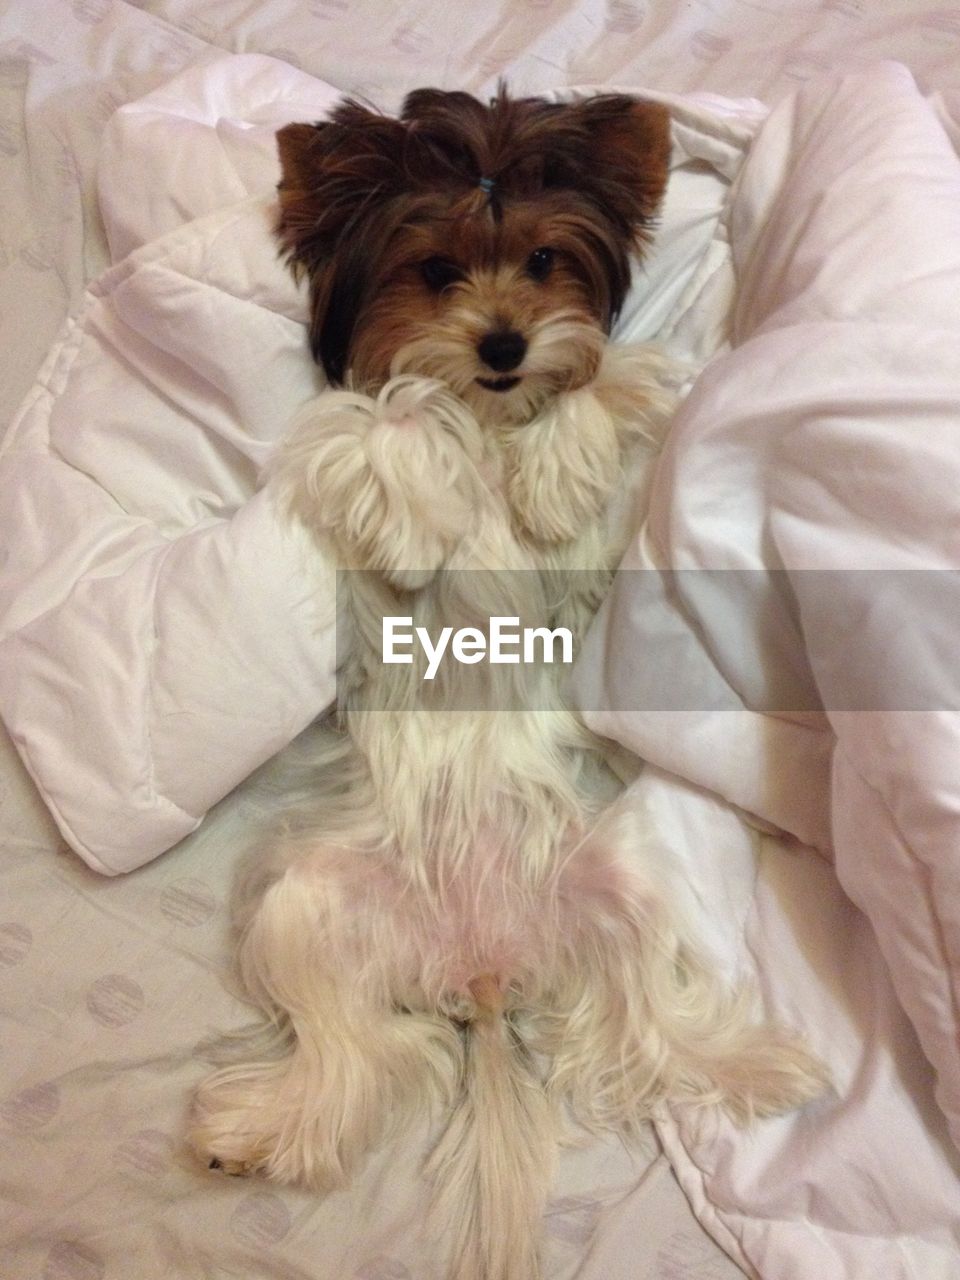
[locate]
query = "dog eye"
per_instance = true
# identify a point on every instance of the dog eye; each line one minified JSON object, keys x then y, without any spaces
{"x":437,"y":273}
{"x":540,"y":264}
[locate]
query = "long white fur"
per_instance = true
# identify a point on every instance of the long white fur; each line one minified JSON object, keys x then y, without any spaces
{"x":451,"y":916}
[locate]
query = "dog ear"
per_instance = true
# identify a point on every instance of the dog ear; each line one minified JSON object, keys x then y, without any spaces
{"x":627,"y":156}
{"x":301,"y":148}
{"x":331,"y":172}
{"x":337,"y":177}
{"x":294,"y":143}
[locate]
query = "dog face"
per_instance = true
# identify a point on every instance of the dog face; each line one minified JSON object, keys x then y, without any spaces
{"x":487,"y":246}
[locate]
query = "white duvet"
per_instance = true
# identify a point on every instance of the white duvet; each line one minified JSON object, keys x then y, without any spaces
{"x":161,"y":633}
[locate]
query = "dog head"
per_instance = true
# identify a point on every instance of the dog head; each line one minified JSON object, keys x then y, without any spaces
{"x":487,"y":246}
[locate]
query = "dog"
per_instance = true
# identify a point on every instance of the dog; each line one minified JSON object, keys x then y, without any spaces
{"x":455,"y":917}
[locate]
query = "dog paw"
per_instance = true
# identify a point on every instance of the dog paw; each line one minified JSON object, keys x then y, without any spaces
{"x":232,"y":1168}
{"x":225,"y":1142}
{"x":563,"y":468}
{"x":777,"y":1075}
{"x":392,"y":481}
{"x":273,"y":1119}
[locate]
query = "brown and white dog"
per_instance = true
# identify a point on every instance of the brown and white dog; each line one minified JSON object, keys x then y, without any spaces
{"x":451,"y":915}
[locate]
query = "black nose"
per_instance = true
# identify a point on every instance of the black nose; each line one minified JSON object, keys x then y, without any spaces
{"x":502,"y":351}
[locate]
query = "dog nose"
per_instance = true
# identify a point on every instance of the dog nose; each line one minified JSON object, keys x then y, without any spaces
{"x":503,"y":350}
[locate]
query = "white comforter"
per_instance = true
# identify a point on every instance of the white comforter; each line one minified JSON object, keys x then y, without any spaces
{"x":161,"y":633}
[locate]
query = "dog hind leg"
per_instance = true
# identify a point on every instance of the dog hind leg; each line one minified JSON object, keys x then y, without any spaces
{"x":353,"y":1061}
{"x":639,"y":1017}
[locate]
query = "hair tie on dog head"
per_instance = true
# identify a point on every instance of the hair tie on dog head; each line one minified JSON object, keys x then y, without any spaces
{"x":486,"y":184}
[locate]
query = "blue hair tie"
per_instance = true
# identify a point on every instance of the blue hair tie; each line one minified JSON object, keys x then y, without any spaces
{"x":486,"y":184}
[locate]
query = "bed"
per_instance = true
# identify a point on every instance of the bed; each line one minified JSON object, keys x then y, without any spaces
{"x":778,"y":651}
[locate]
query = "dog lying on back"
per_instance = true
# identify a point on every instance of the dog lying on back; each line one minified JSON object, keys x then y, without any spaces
{"x":452,"y":915}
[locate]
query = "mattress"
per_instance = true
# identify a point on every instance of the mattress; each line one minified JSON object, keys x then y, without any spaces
{"x":115,"y":991}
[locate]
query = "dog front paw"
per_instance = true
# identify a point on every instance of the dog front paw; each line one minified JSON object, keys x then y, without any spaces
{"x":393,"y":481}
{"x":564,"y":466}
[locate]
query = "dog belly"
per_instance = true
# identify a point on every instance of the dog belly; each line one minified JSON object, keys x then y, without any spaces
{"x":421,"y":947}
{"x":486,"y":937}
{"x":487,"y":932}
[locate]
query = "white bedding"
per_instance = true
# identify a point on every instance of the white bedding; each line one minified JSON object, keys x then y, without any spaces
{"x":833,"y":271}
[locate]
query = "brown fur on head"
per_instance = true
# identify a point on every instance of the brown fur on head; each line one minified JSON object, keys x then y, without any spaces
{"x":485,"y":245}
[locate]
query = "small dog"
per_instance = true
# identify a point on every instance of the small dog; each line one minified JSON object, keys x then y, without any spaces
{"x":453,"y":915}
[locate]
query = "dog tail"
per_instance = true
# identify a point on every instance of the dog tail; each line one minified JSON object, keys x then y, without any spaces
{"x":492,"y":1166}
